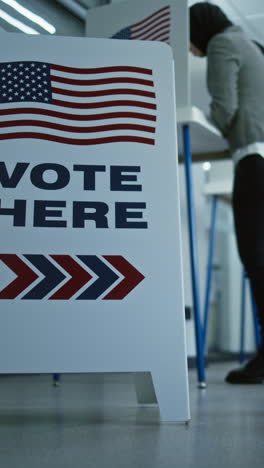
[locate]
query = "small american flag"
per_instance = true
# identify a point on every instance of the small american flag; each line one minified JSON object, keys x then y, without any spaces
{"x":155,"y":27}
{"x":78,"y":106}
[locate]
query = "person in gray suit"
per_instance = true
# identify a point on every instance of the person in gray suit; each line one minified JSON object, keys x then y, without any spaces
{"x":235,"y":77}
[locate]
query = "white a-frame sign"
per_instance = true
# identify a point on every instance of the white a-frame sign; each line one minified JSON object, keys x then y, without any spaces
{"x":90,"y":260}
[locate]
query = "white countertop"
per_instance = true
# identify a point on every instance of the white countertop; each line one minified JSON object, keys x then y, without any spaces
{"x":205,"y":137}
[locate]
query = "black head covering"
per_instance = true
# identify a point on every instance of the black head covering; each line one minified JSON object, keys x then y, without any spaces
{"x":206,"y":20}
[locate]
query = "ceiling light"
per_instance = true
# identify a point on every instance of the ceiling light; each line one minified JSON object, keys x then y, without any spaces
{"x":17,"y":24}
{"x":31,"y":16}
{"x":206,"y":166}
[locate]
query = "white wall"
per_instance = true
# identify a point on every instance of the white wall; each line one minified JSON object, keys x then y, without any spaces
{"x":248,"y":14}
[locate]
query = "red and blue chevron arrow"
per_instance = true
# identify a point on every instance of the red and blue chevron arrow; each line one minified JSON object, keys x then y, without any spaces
{"x":61,"y":277}
{"x":79,"y":277}
{"x":25,"y":276}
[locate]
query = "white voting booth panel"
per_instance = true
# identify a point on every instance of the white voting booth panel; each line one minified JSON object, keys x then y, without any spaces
{"x":91,"y":268}
{"x":148,"y":20}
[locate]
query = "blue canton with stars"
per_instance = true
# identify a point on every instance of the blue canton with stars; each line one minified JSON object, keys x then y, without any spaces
{"x":123,"y":34}
{"x":25,"y":81}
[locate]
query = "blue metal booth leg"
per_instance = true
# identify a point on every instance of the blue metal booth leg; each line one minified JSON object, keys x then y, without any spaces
{"x":209,"y":268}
{"x":194,"y":257}
{"x":56,"y":379}
{"x":242,"y":317}
{"x":255,"y":320}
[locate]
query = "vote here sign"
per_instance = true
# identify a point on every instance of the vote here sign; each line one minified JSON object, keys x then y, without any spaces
{"x":90,"y":259}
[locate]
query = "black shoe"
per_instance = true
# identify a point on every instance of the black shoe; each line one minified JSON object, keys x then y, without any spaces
{"x":251,"y":373}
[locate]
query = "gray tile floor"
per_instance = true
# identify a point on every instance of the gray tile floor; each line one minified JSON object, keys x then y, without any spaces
{"x":94,"y":421}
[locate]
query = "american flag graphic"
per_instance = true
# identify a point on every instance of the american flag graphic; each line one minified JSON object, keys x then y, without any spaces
{"x":78,"y":106}
{"x":155,"y":27}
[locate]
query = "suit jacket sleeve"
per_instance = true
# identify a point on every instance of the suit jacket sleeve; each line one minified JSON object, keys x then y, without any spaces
{"x":222,"y":80}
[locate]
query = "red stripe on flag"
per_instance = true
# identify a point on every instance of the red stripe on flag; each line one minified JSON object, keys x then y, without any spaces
{"x":164,"y":39}
{"x":163,"y":24}
{"x":161,"y":37}
{"x":70,"y":128}
{"x":151,"y":16}
{"x":164,"y":28}
{"x":99,"y":105}
{"x":103,"y":81}
{"x":105,"y":92}
{"x":74,"y":141}
{"x":165,"y":15}
{"x":79,"y":117}
{"x":88,"y":71}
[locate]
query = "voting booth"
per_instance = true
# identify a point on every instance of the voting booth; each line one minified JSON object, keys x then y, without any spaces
{"x":163,"y":21}
{"x":168,"y":21}
{"x":91,"y":267}
{"x":148,"y":20}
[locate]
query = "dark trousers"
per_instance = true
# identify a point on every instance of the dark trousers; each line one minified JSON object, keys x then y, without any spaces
{"x":248,"y":208}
